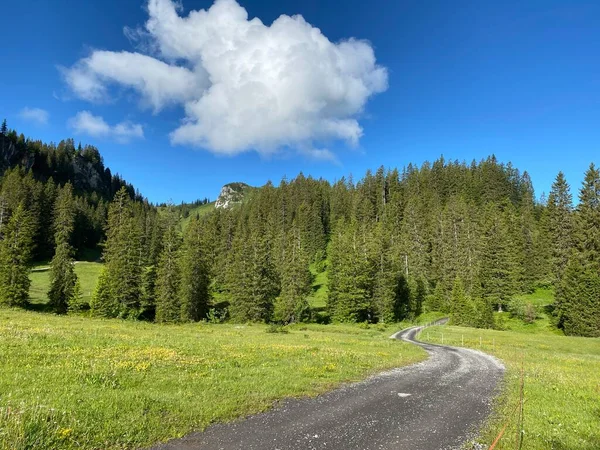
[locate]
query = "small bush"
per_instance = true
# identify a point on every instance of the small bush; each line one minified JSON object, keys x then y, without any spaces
{"x":275,"y":328}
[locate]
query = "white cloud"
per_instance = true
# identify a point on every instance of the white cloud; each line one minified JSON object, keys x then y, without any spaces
{"x":244,"y":85}
{"x":158,"y":83}
{"x":85,"y":122}
{"x":36,"y":115}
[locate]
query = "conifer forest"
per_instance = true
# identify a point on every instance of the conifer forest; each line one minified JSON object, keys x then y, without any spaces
{"x":462,"y":238}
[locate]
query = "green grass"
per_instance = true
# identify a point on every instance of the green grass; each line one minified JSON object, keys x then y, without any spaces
{"x":200,"y":210}
{"x":74,"y":382}
{"x":88,"y":273}
{"x":320,"y":288}
{"x":541,"y":299}
{"x":562,"y":385}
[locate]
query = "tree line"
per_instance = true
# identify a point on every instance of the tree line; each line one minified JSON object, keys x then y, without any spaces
{"x":447,"y":236}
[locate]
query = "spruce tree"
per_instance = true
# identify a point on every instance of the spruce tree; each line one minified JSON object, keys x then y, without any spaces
{"x":194,"y":262}
{"x":168,"y":273}
{"x":119,"y":289}
{"x":351,"y":273}
{"x":15,"y":253}
{"x":461,"y":305}
{"x":587,"y":219}
{"x":292,"y":305}
{"x":578,"y":304}
{"x":579,"y":311}
{"x":62,"y":274}
{"x":560,"y":225}
{"x":3,"y":128}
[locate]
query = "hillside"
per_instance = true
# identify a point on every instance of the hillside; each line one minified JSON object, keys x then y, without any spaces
{"x":232,"y":194}
{"x":32,"y":174}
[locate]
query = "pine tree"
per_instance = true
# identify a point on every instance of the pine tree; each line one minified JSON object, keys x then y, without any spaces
{"x":292,"y":304}
{"x":351,"y":273}
{"x":119,"y":289}
{"x":579,"y":311}
{"x":587,"y":231}
{"x":461,"y":305}
{"x":62,"y":274}
{"x":578,"y":304}
{"x":168,"y":273}
{"x":500,"y":269}
{"x":3,"y":128}
{"x":104,"y":303}
{"x":560,"y":225}
{"x":15,"y":253}
{"x":194,"y":293}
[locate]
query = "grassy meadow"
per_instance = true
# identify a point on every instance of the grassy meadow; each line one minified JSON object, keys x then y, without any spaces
{"x":87,"y":272}
{"x":561,"y":380}
{"x":75,"y":382}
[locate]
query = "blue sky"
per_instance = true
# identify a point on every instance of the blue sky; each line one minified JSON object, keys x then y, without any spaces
{"x":464,"y":79}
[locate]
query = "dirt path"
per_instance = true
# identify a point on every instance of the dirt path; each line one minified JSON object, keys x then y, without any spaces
{"x":432,"y":405}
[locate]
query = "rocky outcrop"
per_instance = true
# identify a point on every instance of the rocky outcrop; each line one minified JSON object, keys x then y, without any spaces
{"x":231,"y":194}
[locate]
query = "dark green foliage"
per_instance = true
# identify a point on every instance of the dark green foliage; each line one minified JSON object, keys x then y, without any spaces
{"x":194,"y":262}
{"x":560,"y":225}
{"x":252,"y":280}
{"x":463,"y":311}
{"x":500,"y":260}
{"x":351,"y":272}
{"x":168,"y":274}
{"x":121,"y":294}
{"x":579,"y":310}
{"x":15,"y":253}
{"x":587,"y":218}
{"x":63,"y":279}
{"x":291,"y":305}
{"x":395,"y":243}
{"x":578,"y":299}
{"x":31,"y":172}
{"x":148,"y":300}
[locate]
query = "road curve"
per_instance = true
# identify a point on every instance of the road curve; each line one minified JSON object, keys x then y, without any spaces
{"x":435,"y":404}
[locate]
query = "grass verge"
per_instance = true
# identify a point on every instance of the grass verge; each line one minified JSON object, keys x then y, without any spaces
{"x":73,"y":382}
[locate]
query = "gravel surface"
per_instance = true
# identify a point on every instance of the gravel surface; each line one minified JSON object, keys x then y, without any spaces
{"x":436,"y":404}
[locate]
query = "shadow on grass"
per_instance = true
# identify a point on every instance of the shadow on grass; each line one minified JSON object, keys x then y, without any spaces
{"x":39,"y":307}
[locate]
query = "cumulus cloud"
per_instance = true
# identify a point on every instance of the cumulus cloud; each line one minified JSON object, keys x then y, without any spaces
{"x":85,"y":122}
{"x":36,"y":115}
{"x":244,"y":85}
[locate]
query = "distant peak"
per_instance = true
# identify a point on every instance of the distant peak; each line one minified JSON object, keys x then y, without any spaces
{"x":232,"y":194}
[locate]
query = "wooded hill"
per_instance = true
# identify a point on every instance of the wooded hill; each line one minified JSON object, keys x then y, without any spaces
{"x":448,"y":236}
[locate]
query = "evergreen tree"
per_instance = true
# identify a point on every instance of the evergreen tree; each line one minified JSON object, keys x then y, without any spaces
{"x":560,"y":226}
{"x":577,"y":302}
{"x":579,"y":311}
{"x":168,"y":273}
{"x":292,"y":304}
{"x":194,"y":294}
{"x":252,"y":281}
{"x":63,"y":279}
{"x":462,"y":312}
{"x":351,"y":273}
{"x":15,"y":252}
{"x":3,"y":128}
{"x":148,"y":300}
{"x":500,"y":267}
{"x":120,"y":288}
{"x":587,"y":230}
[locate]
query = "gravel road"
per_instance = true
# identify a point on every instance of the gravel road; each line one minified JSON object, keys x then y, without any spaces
{"x":436,"y":404}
